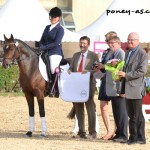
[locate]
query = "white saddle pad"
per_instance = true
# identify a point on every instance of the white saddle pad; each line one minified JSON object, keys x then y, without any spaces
{"x":42,"y":68}
{"x":74,"y":87}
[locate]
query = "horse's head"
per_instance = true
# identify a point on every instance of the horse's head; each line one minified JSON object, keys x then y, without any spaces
{"x":9,"y":51}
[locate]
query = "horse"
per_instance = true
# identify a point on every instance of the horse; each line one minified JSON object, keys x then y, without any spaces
{"x":31,"y":80}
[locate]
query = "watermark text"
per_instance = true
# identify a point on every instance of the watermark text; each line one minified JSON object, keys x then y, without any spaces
{"x":129,"y":12}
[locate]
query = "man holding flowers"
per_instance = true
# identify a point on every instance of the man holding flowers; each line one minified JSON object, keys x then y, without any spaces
{"x":113,"y":86}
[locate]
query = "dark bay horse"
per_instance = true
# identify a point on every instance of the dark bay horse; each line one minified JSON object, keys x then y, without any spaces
{"x":31,"y":80}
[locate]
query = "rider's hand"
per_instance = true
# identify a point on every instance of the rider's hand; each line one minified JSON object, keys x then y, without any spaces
{"x":84,"y":72}
{"x":69,"y":71}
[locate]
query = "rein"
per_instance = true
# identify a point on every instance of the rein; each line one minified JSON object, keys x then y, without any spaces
{"x":14,"y":58}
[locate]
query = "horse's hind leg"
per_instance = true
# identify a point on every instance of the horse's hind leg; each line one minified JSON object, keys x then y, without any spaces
{"x":30,"y":101}
{"x":42,"y":115}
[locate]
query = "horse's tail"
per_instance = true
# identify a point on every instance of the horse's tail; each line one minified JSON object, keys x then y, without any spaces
{"x":72,"y":113}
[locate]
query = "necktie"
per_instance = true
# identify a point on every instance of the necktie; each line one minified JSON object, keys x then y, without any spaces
{"x":80,"y":69}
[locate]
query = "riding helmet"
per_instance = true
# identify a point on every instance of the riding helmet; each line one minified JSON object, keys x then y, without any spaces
{"x":55,"y":12}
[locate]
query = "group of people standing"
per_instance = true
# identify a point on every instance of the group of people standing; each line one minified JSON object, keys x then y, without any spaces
{"x":125,"y":94}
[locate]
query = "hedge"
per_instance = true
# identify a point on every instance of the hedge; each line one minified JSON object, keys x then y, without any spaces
{"x":9,"y":79}
{"x":148,"y":72}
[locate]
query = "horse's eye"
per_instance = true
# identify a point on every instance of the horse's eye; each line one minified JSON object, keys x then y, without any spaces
{"x":6,"y":47}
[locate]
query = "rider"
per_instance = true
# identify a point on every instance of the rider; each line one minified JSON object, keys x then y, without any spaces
{"x":51,"y":42}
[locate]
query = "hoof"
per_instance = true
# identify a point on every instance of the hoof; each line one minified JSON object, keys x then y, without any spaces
{"x":29,"y":134}
{"x":42,"y":135}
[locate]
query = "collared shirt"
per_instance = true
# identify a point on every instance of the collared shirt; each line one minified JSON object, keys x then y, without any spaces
{"x":114,"y":54}
{"x":52,"y":26}
{"x":130,"y":54}
{"x":85,"y":55}
{"x":106,"y":55}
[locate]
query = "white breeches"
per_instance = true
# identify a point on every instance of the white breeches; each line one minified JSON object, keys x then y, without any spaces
{"x":54,"y":62}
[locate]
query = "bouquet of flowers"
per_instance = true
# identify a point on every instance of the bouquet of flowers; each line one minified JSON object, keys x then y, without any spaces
{"x":113,"y":66}
{"x":147,"y":80}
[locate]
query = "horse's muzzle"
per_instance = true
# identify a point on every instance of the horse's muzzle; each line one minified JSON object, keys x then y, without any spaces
{"x":5,"y":64}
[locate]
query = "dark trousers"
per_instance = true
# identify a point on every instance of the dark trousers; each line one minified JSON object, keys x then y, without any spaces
{"x":91,"y":109}
{"x":120,"y":116}
{"x":136,"y":120}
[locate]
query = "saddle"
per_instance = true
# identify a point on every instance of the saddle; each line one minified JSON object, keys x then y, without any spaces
{"x":52,"y":85}
{"x":45,"y":59}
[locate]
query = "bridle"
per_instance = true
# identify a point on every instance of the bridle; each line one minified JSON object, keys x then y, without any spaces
{"x":17,"y":53}
{"x":15,"y":49}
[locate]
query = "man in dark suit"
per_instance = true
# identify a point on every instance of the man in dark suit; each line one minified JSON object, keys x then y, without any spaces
{"x":88,"y":58}
{"x":133,"y":89}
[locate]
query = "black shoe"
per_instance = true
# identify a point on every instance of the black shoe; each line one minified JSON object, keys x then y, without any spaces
{"x":115,"y":137}
{"x":92,"y":135}
{"x":56,"y":95}
{"x":131,"y":142}
{"x":141,"y":142}
{"x":83,"y":136}
{"x":121,"y":140}
{"x":29,"y":134}
{"x":80,"y":135}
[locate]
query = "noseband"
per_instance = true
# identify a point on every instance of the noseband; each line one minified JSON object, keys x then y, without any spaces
{"x":15,"y":49}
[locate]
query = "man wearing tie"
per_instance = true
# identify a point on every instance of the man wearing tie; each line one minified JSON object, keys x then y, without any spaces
{"x":83,"y":62}
{"x":133,"y":87}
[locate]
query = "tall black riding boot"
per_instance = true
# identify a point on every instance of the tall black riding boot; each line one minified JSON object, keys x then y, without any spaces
{"x":55,"y":89}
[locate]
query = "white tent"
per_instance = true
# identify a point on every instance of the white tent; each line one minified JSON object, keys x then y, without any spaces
{"x":122,"y":23}
{"x":26,"y":20}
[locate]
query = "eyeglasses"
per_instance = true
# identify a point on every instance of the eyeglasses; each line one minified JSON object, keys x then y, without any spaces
{"x":111,"y":42}
{"x":131,"y":40}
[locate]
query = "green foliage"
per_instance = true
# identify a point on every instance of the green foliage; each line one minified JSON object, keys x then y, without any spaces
{"x":148,"y":72}
{"x":14,"y":94}
{"x":9,"y":79}
{"x":148,"y":76}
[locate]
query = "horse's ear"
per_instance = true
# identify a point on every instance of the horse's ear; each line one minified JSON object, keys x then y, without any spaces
{"x":5,"y":38}
{"x":12,"y":37}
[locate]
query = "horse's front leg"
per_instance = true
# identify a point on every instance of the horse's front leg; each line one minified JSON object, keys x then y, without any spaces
{"x":30,"y":101}
{"x":42,"y":115}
